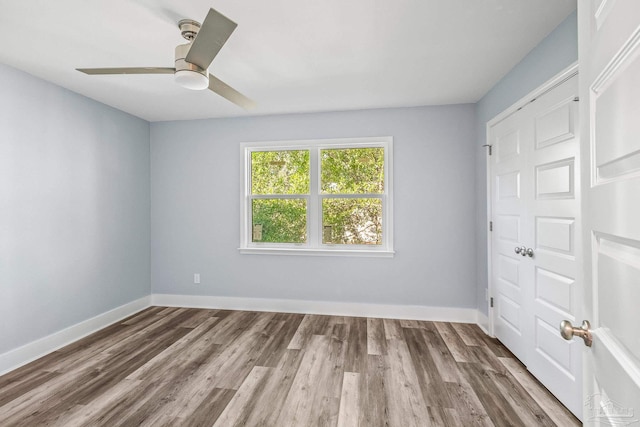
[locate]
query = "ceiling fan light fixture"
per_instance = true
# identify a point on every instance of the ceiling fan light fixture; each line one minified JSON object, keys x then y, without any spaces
{"x":191,"y":79}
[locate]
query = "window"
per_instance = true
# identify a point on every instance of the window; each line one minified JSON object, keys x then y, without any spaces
{"x":326,"y":197}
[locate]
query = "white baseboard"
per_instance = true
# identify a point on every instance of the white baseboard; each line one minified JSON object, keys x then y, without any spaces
{"x":34,"y":350}
{"x":410,"y":312}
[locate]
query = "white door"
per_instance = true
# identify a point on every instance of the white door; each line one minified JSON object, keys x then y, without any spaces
{"x":610,"y":116}
{"x":511,"y":272}
{"x":535,"y":248}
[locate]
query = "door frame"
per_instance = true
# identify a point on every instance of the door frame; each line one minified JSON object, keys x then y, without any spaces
{"x":550,"y":84}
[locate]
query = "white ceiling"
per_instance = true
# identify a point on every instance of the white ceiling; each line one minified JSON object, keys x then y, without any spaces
{"x":289,"y":56}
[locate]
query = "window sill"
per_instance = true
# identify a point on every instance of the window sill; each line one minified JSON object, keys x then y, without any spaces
{"x":317,"y":252}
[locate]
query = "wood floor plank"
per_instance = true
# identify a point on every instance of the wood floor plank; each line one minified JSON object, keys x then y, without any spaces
{"x":105,"y":335}
{"x":487,"y":359}
{"x":260,"y":405}
{"x":349,"y":400}
{"x":525,"y":406}
{"x":162,"y":311}
{"x":410,"y":324}
{"x":121,"y":341}
{"x":427,"y":370}
{"x":376,"y":341}
{"x":272,"y":353}
{"x":121,"y":365}
{"x":188,"y":349}
{"x":44,"y":395}
{"x":356,"y":357}
{"x":302,"y":334}
{"x":236,"y":359}
{"x":311,"y":324}
{"x":17,"y":388}
{"x":322,"y":325}
{"x":271,"y":397}
{"x":215,"y":368}
{"x":407,"y":405}
{"x":99,"y":380}
{"x":244,"y":401}
{"x":442,"y":357}
{"x":169,"y":366}
{"x":305,"y":392}
{"x":392,"y":329}
{"x":207,"y":412}
{"x":123,"y":404}
{"x":500,"y":411}
{"x":188,"y":391}
{"x":468,"y":407}
{"x":25,"y":372}
{"x":63,"y":356}
{"x":233,"y":326}
{"x":199,"y":315}
{"x":374,"y":409}
{"x":167,"y":374}
{"x":443,"y":417}
{"x":492,"y":343}
{"x":459,"y":350}
{"x":467,"y":334}
{"x":326,"y":413}
{"x":145,"y":314}
{"x":191,"y":396}
{"x":558,"y":413}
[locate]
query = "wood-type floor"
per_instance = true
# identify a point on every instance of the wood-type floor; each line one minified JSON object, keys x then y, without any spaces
{"x":195,"y":367}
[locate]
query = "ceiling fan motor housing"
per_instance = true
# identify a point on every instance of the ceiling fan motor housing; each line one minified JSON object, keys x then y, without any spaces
{"x":187,"y":74}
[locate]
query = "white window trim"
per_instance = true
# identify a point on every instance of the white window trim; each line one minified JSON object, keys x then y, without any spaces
{"x":314,"y":245}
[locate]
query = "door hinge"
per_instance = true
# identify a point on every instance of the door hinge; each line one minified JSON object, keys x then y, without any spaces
{"x":488,"y":145}
{"x":491,"y":302}
{"x":576,"y":99}
{"x":490,"y":225}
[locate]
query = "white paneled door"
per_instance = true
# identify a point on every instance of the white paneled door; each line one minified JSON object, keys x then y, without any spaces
{"x":512,"y":273}
{"x":535,"y":251}
{"x":610,"y":85}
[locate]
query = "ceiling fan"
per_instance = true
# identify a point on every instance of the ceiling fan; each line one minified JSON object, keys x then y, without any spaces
{"x":192,"y":59}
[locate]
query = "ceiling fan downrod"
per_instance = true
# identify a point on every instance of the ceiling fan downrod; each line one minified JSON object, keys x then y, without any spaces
{"x":189,"y":28}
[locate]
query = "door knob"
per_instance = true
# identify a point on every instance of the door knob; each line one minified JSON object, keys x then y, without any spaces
{"x":568,"y":331}
{"x":520,"y":250}
{"x":528,"y":252}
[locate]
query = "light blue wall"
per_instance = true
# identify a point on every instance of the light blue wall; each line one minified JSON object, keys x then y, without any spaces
{"x":74,"y":208}
{"x":195,"y":210}
{"x":555,"y":53}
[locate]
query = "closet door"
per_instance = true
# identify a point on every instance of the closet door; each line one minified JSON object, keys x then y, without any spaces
{"x":534,"y":248}
{"x":554,"y":215}
{"x":512,"y":273}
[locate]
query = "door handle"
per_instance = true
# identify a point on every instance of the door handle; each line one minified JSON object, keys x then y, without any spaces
{"x":524,"y":251}
{"x":568,"y":331}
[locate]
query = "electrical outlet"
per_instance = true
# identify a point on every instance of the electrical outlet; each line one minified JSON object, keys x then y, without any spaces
{"x":196,"y":278}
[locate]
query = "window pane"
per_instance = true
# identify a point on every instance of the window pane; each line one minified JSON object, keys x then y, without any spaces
{"x":280,"y":172}
{"x":352,"y":171}
{"x":352,"y":221}
{"x":279,"y":220}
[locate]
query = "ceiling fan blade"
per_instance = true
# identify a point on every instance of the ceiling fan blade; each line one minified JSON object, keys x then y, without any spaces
{"x":129,"y":70}
{"x":213,"y":34}
{"x":224,"y":90}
